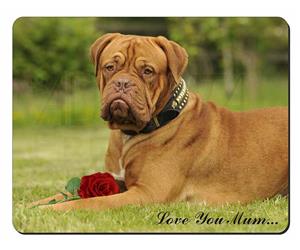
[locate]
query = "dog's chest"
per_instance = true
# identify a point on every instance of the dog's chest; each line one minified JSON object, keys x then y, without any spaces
{"x":121,"y":174}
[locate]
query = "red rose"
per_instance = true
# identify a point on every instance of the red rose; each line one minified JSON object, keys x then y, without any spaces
{"x":99,"y":184}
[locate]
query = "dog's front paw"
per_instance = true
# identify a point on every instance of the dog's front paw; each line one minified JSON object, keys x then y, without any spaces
{"x":49,"y":200}
{"x":63,"y":206}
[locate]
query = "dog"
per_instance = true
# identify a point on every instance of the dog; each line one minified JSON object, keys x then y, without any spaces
{"x":167,"y":144}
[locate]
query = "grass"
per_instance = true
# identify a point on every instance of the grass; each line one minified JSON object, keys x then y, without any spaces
{"x":58,"y":137}
{"x":80,"y":107}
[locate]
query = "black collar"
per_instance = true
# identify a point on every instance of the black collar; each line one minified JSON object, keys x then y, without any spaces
{"x":171,"y":110}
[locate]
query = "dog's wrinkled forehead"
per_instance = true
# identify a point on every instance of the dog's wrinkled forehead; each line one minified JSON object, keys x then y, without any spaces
{"x":158,"y":52}
{"x":132,"y":51}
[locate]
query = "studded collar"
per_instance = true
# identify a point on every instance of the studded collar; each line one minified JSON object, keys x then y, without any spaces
{"x":171,"y":110}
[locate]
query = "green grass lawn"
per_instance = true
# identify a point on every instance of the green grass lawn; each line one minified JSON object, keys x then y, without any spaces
{"x":48,"y":149}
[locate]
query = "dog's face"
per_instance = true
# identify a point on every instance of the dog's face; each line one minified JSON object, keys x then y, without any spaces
{"x":135,"y":76}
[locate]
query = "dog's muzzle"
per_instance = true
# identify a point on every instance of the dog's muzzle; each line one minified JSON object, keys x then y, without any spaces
{"x":124,"y":104}
{"x":119,"y":110}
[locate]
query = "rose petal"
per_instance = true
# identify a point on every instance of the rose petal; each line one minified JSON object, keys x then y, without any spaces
{"x":98,"y":184}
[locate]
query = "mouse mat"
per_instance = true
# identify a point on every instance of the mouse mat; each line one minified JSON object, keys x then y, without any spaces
{"x":151,"y":125}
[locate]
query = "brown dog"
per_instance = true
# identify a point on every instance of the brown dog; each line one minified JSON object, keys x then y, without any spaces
{"x":170,"y":146}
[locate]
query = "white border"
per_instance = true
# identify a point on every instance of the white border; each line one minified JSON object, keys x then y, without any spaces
{"x":10,"y":10}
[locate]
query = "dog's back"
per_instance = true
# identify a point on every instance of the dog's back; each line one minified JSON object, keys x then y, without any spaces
{"x":241,"y":156}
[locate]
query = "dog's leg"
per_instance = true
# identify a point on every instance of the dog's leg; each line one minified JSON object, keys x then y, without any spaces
{"x":56,"y":197}
{"x":134,"y":196}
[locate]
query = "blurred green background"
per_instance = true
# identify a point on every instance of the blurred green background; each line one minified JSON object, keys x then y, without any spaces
{"x":240,"y":63}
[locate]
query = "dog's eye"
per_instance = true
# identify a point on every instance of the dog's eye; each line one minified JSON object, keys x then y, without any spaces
{"x":109,"y":67}
{"x":148,"y":71}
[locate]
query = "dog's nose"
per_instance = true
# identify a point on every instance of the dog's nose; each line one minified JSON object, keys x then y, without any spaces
{"x":122,"y":84}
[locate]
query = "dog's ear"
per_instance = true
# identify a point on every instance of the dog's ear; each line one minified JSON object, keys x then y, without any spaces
{"x":176,"y":55}
{"x":99,"y":45}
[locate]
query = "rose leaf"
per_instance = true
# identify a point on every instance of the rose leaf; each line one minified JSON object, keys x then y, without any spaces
{"x":73,"y":185}
{"x":52,"y":202}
